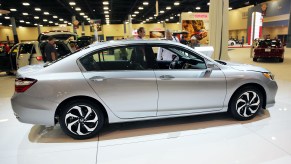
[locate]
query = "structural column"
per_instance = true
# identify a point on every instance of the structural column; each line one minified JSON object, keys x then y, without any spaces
{"x":219,"y":28}
{"x":129,"y":26}
{"x":289,"y":31}
{"x":12,"y":20}
{"x":83,"y":29}
{"x":73,"y":19}
{"x":38,"y":29}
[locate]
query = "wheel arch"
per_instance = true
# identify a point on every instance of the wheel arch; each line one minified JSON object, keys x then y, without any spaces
{"x":66,"y":101}
{"x":255,"y":85}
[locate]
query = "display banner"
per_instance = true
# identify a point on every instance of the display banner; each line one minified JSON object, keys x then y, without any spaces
{"x":197,"y":24}
{"x":255,"y":30}
{"x":95,"y":23}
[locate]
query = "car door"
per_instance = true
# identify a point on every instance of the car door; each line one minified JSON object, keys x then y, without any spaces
{"x":24,"y":55}
{"x":8,"y":61}
{"x":187,"y":86}
{"x":124,"y":80}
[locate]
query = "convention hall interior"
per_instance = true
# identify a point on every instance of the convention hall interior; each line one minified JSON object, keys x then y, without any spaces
{"x":236,"y":41}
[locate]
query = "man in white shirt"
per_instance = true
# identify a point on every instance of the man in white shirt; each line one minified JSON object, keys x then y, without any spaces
{"x":164,"y":54}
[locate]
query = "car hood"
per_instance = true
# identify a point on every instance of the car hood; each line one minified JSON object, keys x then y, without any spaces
{"x":245,"y":67}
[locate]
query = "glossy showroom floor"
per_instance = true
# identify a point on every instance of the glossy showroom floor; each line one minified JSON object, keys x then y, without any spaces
{"x":211,"y":139}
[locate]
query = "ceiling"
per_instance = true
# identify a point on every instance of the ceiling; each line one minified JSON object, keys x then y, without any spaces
{"x":61,"y":11}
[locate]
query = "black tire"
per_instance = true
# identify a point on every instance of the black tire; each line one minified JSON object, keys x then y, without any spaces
{"x":255,"y":59}
{"x":231,"y":43}
{"x":245,"y":103}
{"x":281,"y":60}
{"x":74,"y":119}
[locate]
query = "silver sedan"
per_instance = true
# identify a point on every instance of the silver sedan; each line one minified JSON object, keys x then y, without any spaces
{"x":121,"y":81}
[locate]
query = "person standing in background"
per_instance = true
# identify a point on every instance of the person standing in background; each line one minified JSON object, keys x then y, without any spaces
{"x":50,"y":50}
{"x":140,"y":33}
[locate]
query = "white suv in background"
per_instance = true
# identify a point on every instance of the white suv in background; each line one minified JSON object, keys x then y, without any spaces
{"x":32,"y":52}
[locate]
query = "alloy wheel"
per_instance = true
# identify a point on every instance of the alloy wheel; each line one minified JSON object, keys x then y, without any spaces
{"x":81,"y":120}
{"x":248,"y":104}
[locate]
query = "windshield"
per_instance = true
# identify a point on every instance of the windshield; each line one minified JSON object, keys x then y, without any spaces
{"x":270,"y":43}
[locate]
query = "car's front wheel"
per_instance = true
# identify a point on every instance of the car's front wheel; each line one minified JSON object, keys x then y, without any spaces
{"x":81,"y":119}
{"x":246,"y":103}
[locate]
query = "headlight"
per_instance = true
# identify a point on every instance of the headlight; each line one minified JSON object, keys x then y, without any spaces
{"x":269,"y":75}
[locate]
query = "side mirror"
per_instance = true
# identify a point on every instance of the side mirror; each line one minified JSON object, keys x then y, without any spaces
{"x":210,"y":65}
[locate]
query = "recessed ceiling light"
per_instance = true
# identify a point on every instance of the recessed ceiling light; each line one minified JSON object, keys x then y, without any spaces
{"x":105,"y":8}
{"x":162,"y":11}
{"x":88,"y":19}
{"x":178,"y":15}
{"x":27,"y":22}
{"x":167,"y":20}
{"x":208,"y":3}
{"x":7,"y":17}
{"x":25,"y":4}
{"x":155,"y":15}
{"x":198,"y":8}
{"x":69,"y":23}
{"x":145,"y":3}
{"x":41,"y":25}
{"x":82,"y":13}
{"x":105,"y":3}
{"x":133,"y":15}
{"x":51,"y":22}
{"x":178,"y":22}
{"x":189,"y":11}
{"x":61,"y":19}
{"x":36,"y":17}
{"x":24,"y":13}
{"x":159,"y":22}
{"x":56,"y":24}
{"x":162,"y":21}
{"x":136,"y":12}
{"x":65,"y":21}
{"x":168,"y":8}
{"x":21,"y":21}
{"x":10,"y":25}
{"x":171,"y":17}
{"x":13,"y":10}
{"x":46,"y":13}
{"x":45,"y":20}
{"x":107,"y":16}
{"x":147,"y":20}
{"x":140,"y":8}
{"x":35,"y":24}
{"x":150,"y":17}
{"x":85,"y":16}
{"x":0,"y":23}
{"x":177,"y":3}
{"x":230,"y":8}
{"x":78,"y":9}
{"x":55,"y":16}
{"x":106,"y":12}
{"x":72,"y":3}
{"x":37,"y":9}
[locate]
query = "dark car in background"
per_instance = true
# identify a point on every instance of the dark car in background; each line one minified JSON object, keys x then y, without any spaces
{"x":269,"y":48}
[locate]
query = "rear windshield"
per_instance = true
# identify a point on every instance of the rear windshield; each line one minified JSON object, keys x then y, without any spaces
{"x":270,"y":43}
{"x":63,"y":57}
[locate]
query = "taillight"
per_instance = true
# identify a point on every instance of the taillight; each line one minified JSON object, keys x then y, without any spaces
{"x":39,"y":58}
{"x":22,"y":84}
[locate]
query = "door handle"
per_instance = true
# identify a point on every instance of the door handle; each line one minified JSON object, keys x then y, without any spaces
{"x":97,"y":78}
{"x":166,"y":77}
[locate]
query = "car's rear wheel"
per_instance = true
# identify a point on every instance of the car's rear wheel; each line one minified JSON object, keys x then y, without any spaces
{"x":246,"y":103}
{"x":81,"y":119}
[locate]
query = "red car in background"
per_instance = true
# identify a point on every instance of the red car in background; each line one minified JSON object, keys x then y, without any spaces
{"x":269,"y":48}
